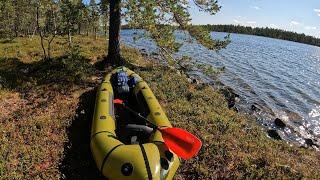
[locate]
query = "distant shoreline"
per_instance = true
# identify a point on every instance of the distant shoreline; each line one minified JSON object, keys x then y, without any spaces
{"x":265,"y":32}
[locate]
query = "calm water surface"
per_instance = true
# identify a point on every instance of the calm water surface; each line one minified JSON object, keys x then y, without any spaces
{"x":281,"y":78}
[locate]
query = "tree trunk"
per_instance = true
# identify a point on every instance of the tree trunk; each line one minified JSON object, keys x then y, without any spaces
{"x":114,"y":56}
{"x":16,"y":18}
{"x":69,"y":38}
{"x":79,"y":29}
{"x":40,"y":33}
{"x":95,"y":33}
{"x":106,"y":26}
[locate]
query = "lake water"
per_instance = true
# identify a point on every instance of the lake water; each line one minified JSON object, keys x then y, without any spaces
{"x":281,"y":78}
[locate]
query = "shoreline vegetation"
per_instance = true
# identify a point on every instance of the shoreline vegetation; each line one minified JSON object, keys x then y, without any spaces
{"x":46,"y":109}
{"x":264,"y":32}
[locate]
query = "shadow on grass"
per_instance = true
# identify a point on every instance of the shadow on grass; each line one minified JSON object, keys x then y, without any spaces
{"x":63,"y":72}
{"x":78,"y":162}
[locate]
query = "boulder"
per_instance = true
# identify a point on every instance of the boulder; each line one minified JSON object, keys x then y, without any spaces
{"x":279,"y":123}
{"x":254,"y":107}
{"x":195,"y":81}
{"x":274,"y":134}
{"x":235,"y":109}
{"x":155,"y":54}
{"x":230,"y":96}
{"x":310,"y":142}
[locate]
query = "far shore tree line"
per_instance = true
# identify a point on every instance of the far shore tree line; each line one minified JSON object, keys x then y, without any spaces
{"x":265,"y":32}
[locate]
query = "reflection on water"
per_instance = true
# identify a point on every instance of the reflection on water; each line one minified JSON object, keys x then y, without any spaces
{"x":281,"y":77}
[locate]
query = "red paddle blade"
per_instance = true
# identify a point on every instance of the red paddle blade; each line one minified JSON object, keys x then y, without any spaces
{"x":118,"y":101}
{"x":181,"y":142}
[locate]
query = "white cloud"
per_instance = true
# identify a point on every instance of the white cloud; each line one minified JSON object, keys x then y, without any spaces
{"x":237,"y":21}
{"x":256,"y":7}
{"x":295,"y":23}
{"x":273,"y":26}
{"x":317,"y":11}
{"x":251,"y":22}
{"x":310,"y":28}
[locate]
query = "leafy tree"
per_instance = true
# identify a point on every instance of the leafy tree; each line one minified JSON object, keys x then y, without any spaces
{"x":84,"y":19}
{"x":47,"y":23}
{"x":70,"y":11}
{"x":104,"y":9}
{"x":160,"y":18}
{"x":7,"y":22}
{"x":94,"y":17}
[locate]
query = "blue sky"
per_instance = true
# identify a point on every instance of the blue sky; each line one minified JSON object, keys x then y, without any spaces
{"x":301,"y":16}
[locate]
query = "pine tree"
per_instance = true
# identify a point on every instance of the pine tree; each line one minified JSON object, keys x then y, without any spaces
{"x":70,"y":11}
{"x":47,"y":21}
{"x":160,"y":18}
{"x":7,"y":22}
{"x":94,"y":17}
{"x":104,"y":9}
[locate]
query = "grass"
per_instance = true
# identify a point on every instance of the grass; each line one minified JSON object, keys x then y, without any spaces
{"x":46,"y":109}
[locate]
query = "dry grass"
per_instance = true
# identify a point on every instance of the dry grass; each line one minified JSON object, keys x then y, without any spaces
{"x":46,"y":110}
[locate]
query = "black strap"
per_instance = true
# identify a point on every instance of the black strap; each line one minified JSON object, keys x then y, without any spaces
{"x":164,"y":127}
{"x":161,"y":142}
{"x":100,"y":133}
{"x":146,"y":162}
{"x":108,"y":154}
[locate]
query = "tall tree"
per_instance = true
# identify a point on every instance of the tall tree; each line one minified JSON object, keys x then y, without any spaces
{"x":84,"y":19}
{"x":6,"y":22}
{"x":70,"y":11}
{"x":47,"y":23}
{"x":160,"y":18}
{"x":114,"y":33}
{"x":94,"y":17}
{"x":104,"y":9}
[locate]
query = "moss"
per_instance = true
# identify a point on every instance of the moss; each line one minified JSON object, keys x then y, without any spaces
{"x":46,"y":108}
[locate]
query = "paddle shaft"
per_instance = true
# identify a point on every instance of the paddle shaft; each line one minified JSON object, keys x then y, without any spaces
{"x":139,"y":115}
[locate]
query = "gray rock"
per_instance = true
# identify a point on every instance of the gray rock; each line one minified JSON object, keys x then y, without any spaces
{"x":195,"y":81}
{"x":235,"y":109}
{"x":254,"y":107}
{"x":274,"y":134}
{"x":310,"y":142}
{"x":279,"y":123}
{"x":230,"y":96}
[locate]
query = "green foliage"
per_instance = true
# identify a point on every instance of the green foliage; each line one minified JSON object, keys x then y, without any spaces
{"x":6,"y":11}
{"x":18,"y":17}
{"x":94,"y":16}
{"x":70,"y":11}
{"x":209,"y":70}
{"x":161,"y":18}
